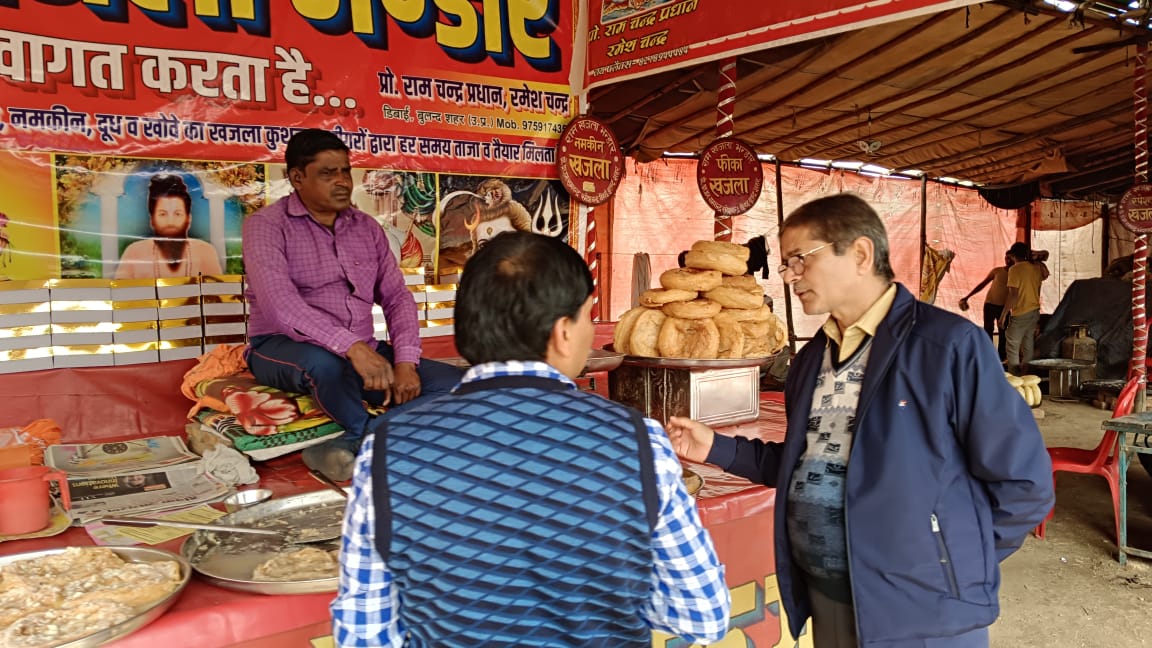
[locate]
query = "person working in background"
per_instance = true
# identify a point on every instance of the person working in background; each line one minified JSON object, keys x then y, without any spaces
{"x":169,"y":252}
{"x":1023,"y":304}
{"x":909,"y":469}
{"x":315,"y":266}
{"x":997,"y":280}
{"x":473,"y":520}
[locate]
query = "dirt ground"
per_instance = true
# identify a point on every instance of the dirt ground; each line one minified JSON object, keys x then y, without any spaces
{"x":1069,"y":590}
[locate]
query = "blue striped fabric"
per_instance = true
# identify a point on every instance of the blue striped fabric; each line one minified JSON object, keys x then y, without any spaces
{"x":615,"y":584}
{"x":499,"y":512}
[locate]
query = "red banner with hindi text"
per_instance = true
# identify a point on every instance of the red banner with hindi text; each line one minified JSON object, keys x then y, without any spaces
{"x":632,"y":38}
{"x":451,"y":85}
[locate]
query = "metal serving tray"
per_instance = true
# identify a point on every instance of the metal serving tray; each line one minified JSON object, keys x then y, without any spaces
{"x":120,"y":630}
{"x":228,"y":559}
{"x":691,"y":363}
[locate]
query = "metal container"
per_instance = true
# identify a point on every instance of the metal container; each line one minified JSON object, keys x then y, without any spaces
{"x":714,"y":392}
{"x":227,"y":559}
{"x":245,"y":498}
{"x":142,"y":618}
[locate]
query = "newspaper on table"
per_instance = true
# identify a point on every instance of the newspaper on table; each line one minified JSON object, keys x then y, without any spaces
{"x":118,"y":457}
{"x":132,"y":477}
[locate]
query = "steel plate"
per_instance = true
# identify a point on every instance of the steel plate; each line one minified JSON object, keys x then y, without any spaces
{"x":603,"y":360}
{"x":693,"y":363}
{"x":228,"y":559}
{"x":1061,"y":363}
{"x":143,"y":618}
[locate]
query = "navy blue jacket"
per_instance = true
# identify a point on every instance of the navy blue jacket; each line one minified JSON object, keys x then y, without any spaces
{"x":947,"y":475}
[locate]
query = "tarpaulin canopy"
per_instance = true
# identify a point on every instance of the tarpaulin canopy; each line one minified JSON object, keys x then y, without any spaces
{"x":659,"y":211}
{"x":999,"y":93}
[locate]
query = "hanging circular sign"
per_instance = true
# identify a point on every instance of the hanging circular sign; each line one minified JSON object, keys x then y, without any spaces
{"x":1135,"y":210}
{"x":730,"y":176}
{"x":590,"y":161}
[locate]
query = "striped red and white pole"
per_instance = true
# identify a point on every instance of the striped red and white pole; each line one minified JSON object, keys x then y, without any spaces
{"x":1137,"y":367}
{"x":725,"y":127}
{"x":593,"y":258}
{"x":1140,"y":252}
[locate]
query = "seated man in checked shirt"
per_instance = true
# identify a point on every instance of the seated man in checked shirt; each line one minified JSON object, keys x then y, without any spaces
{"x":518,"y":510}
{"x":314,"y":268}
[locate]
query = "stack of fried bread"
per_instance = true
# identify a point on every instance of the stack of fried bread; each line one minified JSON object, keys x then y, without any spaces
{"x":56,"y":598}
{"x":708,"y":309}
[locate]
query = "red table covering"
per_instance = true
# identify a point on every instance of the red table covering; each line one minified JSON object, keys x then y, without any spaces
{"x":112,"y":403}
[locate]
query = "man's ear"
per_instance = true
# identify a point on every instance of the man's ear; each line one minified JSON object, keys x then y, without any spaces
{"x":295,"y":176}
{"x":864,"y":254}
{"x":559,"y":340}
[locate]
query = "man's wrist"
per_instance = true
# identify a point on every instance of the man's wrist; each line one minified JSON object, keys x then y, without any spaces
{"x":409,"y":354}
{"x":357,"y":348}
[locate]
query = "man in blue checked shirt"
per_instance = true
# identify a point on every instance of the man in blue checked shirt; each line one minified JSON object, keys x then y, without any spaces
{"x":518,"y":510}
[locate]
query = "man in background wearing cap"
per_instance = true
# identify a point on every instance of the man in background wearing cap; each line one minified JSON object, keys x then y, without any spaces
{"x":1024,"y":279}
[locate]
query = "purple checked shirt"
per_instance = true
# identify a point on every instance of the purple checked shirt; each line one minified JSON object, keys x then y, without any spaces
{"x":318,"y":286}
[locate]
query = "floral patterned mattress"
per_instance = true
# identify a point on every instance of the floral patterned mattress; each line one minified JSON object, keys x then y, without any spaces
{"x":262,"y":422}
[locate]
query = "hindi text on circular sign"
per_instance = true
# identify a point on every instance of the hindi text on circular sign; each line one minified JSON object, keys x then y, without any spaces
{"x":730,"y":176}
{"x":589,"y":159}
{"x":1135,"y":208}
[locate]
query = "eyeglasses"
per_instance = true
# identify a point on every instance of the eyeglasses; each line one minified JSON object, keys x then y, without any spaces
{"x":795,"y":263}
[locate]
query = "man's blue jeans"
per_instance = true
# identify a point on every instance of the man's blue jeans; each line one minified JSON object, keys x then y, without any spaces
{"x":281,"y":362}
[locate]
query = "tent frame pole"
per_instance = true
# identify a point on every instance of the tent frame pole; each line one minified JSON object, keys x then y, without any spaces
{"x":787,"y":290}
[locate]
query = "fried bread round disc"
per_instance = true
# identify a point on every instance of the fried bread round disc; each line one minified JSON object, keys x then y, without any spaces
{"x":657,"y":297}
{"x":695,"y":309}
{"x":746,"y":314}
{"x":741,"y":252}
{"x":689,"y":338}
{"x":729,"y":297}
{"x":757,"y":341}
{"x":743,"y":282}
{"x":645,"y":334}
{"x":731,"y":339}
{"x":623,"y":331}
{"x":692,"y":279}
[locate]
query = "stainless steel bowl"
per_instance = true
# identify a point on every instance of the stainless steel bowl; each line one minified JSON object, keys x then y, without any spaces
{"x":692,"y":481}
{"x":120,"y":630}
{"x":245,"y":498}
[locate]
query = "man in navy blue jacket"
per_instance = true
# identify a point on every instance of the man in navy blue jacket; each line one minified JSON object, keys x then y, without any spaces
{"x":910,"y":467}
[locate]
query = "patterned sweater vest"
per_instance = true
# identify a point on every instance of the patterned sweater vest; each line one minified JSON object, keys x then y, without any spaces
{"x":518,"y":512}
{"x":816,"y":491}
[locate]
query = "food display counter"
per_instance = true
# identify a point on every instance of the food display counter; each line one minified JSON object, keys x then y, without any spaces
{"x":737,"y":513}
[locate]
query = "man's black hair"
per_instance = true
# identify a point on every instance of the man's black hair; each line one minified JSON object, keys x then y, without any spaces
{"x":305,"y":145}
{"x":168,"y":185}
{"x":840,"y":219}
{"x":1020,"y":250}
{"x":512,"y":292}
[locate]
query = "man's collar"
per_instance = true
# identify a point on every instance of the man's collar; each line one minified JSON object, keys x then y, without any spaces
{"x":869,"y":322}
{"x":514,"y":368}
{"x":296,"y":207}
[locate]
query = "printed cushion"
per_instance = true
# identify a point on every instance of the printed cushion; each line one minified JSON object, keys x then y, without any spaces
{"x":296,"y":435}
{"x":261,"y":410}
